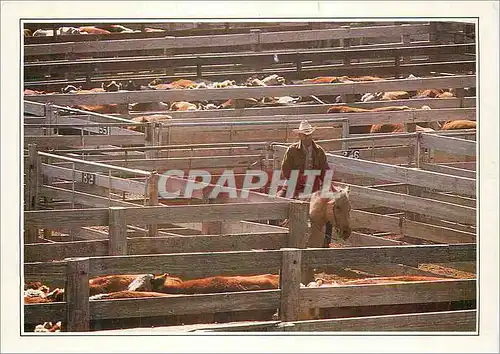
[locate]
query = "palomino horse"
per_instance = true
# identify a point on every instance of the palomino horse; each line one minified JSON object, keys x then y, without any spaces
{"x":333,"y":207}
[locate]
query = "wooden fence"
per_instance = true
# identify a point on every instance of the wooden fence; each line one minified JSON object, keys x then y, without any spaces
{"x":257,"y":38}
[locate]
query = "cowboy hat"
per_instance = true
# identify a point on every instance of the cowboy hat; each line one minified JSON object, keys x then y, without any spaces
{"x":305,"y":128}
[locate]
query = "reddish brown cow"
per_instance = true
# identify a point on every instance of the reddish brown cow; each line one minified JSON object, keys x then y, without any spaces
{"x":434,"y":93}
{"x":174,"y":285}
{"x":148,"y":106}
{"x":183,"y":106}
{"x":103,"y":109}
{"x":128,"y":294}
{"x":111,"y":283}
{"x":347,"y":109}
{"x":395,"y":95}
{"x":322,"y":80}
{"x":93,"y":30}
{"x":33,"y":92}
{"x":246,"y":102}
{"x":182,"y":84}
{"x":459,"y":124}
{"x":387,"y":128}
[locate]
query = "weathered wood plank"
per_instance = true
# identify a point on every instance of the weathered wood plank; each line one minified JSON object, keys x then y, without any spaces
{"x":40,"y":313}
{"x":449,"y":144}
{"x":170,"y":42}
{"x":404,"y":202}
{"x":83,"y":140}
{"x":44,"y":252}
{"x":388,"y":294}
{"x":410,"y":228}
{"x":70,"y":218}
{"x":346,"y":257}
{"x":207,"y":243}
{"x":190,"y":265}
{"x":362,"y":240}
{"x":213,"y":212}
{"x":461,"y":172}
{"x":186,"y":304}
{"x":448,"y":321}
{"x":115,"y":183}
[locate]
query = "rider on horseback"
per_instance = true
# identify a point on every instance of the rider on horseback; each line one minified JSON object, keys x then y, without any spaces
{"x":305,"y":155}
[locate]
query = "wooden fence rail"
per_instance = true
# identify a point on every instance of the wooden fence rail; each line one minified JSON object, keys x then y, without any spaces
{"x":263,"y":58}
{"x":256,"y":38}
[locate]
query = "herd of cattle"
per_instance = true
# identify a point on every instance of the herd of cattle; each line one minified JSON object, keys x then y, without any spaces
{"x":113,"y":287}
{"x":103,"y":29}
{"x":270,"y":80}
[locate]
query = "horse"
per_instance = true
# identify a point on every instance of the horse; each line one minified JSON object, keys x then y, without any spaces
{"x":333,"y":207}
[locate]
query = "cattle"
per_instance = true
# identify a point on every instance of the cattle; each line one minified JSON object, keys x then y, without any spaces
{"x":184,"y":106}
{"x":62,"y":31}
{"x":111,"y":87}
{"x":147,"y":119}
{"x":111,"y":283}
{"x":173,"y":285}
{"x":42,"y":295}
{"x":385,"y":96}
{"x":348,"y":109}
{"x":79,"y":90}
{"x":102,"y":109}
{"x":245,"y":102}
{"x":182,"y":84}
{"x":148,"y":29}
{"x":380,"y":128}
{"x":225,"y":83}
{"x":148,"y":106}
{"x":117,"y":29}
{"x":321,"y":80}
{"x":49,"y":327}
{"x":130,"y":85}
{"x":127,"y":294}
{"x":433,"y":93}
{"x":33,"y":92}
{"x":93,"y":30}
{"x":459,"y":124}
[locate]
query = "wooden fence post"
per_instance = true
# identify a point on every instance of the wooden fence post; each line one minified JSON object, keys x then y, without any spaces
{"x":406,"y":39}
{"x":153,"y":200}
{"x":290,"y":284}
{"x":150,"y":140}
{"x":76,"y":295}
{"x":257,"y":46}
{"x":117,"y":232}
{"x":298,"y":216}
{"x":33,"y":180}
{"x":298,"y":232}
{"x":418,"y":148}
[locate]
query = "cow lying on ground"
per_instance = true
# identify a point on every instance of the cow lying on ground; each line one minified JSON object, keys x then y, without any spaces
{"x":148,"y":106}
{"x":174,"y":285}
{"x":49,"y":327}
{"x":459,"y":124}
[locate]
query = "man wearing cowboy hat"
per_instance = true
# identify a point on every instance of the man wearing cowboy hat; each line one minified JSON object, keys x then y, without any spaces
{"x":305,"y":155}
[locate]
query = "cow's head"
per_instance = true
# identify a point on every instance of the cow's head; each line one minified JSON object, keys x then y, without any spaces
{"x":158,"y":283}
